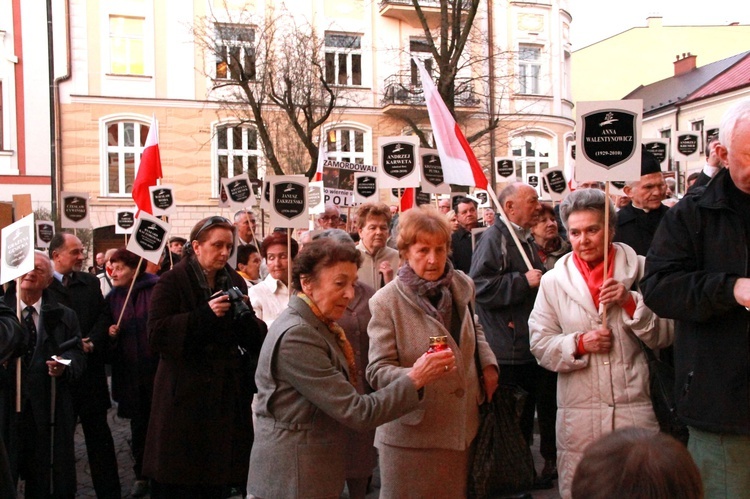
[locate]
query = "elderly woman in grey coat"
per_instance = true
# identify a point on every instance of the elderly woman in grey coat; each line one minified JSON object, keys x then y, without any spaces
{"x":603,"y":375}
{"x":307,"y":383}
{"x":427,"y":452}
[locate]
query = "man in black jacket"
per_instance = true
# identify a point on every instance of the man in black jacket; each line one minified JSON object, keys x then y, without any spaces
{"x":81,"y":292}
{"x":697,"y":273}
{"x":466,"y":213}
{"x":506,"y":291}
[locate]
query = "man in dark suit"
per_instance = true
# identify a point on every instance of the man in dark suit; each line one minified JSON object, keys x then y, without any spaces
{"x":50,"y":330}
{"x":81,"y":292}
{"x":713,"y":163}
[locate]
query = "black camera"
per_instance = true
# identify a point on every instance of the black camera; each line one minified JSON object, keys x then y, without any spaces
{"x":239,"y":308}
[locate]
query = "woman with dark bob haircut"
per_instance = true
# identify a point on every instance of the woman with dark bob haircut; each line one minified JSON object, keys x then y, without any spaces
{"x":307,"y":383}
{"x":201,"y":432}
{"x":133,"y":362}
{"x":634,"y":463}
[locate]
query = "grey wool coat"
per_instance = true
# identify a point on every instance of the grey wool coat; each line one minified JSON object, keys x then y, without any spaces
{"x":304,"y":404}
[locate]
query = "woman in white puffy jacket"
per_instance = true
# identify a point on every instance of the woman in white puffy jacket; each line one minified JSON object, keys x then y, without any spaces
{"x":603,"y":381}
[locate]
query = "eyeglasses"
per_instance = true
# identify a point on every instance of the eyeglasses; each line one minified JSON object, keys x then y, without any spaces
{"x":330,"y":218}
{"x":210,"y":222}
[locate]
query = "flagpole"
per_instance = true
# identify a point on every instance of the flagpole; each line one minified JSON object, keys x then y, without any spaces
{"x":606,"y":245}
{"x":512,"y":230}
{"x":127,"y":297}
{"x":289,"y":258}
{"x":18,"y":360}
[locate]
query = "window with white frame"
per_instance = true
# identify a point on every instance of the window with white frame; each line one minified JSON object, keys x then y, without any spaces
{"x":532,"y":154}
{"x":126,"y":45}
{"x":125,"y":141}
{"x":346,"y":144}
{"x":237,"y":151}
{"x":420,"y":49}
{"x":235,"y":52}
{"x":343,"y":59}
{"x":529,"y":68}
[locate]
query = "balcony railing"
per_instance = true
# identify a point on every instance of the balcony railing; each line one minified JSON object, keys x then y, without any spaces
{"x":405,"y":90}
{"x":422,"y":3}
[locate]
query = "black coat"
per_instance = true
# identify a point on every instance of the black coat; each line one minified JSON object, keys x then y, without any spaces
{"x":57,"y":325}
{"x":84,"y":296}
{"x":699,"y":251}
{"x":12,"y":339}
{"x":461,"y":250}
{"x":636,"y":228}
{"x":504,"y":297}
{"x":200,"y":431}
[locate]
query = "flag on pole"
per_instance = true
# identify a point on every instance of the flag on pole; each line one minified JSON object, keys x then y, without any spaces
{"x":149,"y":170}
{"x":460,"y":166}
{"x":408,"y":199}
{"x":322,"y":156}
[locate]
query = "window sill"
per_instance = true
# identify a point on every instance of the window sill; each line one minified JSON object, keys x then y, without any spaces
{"x":6,"y":152}
{"x":125,"y":75}
{"x":533,"y":96}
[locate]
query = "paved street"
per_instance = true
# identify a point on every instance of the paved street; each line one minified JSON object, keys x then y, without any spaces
{"x":121,"y":433}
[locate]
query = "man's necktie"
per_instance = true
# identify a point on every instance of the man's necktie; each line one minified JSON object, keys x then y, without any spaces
{"x":66,"y":280}
{"x":28,"y":321}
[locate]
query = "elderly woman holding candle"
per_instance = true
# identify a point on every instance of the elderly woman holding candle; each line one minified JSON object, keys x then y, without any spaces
{"x":603,"y":381}
{"x":427,"y":452}
{"x":308,"y":385}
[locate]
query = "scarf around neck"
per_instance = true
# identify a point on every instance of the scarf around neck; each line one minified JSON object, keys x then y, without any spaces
{"x":594,"y":274}
{"x":433,"y":297}
{"x":338,"y":332}
{"x":221,"y":280}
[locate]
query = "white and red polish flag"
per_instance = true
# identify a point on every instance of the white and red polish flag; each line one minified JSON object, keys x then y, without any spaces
{"x":149,"y":170}
{"x":460,"y":166}
{"x":322,"y":156}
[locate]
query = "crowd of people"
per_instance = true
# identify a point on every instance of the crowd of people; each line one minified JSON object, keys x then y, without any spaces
{"x":374,"y":341}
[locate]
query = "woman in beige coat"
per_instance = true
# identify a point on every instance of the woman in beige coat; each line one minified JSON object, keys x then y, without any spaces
{"x":603,"y":381}
{"x":427,"y":453}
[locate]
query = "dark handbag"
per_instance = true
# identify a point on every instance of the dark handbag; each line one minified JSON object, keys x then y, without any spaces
{"x":502,"y":461}
{"x":661,"y":384}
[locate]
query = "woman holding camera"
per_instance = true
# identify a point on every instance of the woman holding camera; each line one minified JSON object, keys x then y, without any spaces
{"x":200,"y":433}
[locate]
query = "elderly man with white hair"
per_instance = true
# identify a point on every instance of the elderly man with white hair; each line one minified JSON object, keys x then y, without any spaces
{"x":697,"y":273}
{"x":51,"y":359}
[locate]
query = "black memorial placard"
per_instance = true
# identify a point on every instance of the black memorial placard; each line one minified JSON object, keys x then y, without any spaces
{"x":609,"y":137}
{"x":289,"y":199}
{"x":482,"y":197}
{"x":45,"y":231}
{"x":421,"y":198}
{"x":162,"y":198}
{"x":366,"y":186}
{"x":125,"y":219}
{"x":505,"y":167}
{"x":533,"y":180}
{"x":556,"y":181}
{"x":658,"y":149}
{"x":75,"y":208}
{"x":573,"y":151}
{"x":239,"y":191}
{"x":399,"y":159}
{"x":149,"y":236}
{"x":433,"y":170}
{"x":688,"y":143}
{"x":16,"y":246}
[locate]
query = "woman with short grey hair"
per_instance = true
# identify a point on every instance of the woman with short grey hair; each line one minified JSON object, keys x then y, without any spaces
{"x":603,"y":374}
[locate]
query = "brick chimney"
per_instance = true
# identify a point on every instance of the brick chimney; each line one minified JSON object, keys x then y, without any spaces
{"x":684,"y":64}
